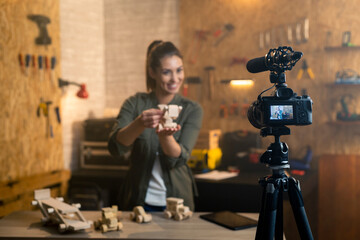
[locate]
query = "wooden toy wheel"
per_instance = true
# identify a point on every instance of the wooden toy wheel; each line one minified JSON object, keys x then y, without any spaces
{"x":167,"y":214}
{"x":62,"y":227}
{"x":120,"y":226}
{"x":178,"y":217}
{"x":139,"y":219}
{"x":104,"y":228}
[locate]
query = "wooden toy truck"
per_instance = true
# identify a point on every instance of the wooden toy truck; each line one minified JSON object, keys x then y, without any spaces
{"x":139,"y":215}
{"x":109,"y":220}
{"x":175,"y":209}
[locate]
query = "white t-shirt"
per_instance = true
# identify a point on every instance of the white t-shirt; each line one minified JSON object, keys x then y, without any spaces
{"x":156,"y":192}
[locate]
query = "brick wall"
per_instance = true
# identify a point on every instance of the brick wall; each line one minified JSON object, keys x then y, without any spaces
{"x":130,"y":26}
{"x":82,"y":61}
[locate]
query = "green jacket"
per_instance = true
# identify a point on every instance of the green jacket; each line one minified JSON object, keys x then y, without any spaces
{"x":177,"y":175}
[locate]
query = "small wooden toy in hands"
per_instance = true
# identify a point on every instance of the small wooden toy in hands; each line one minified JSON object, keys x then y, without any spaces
{"x":175,"y":209}
{"x":171,"y":112}
{"x":109,"y":220}
{"x":139,"y":215}
{"x":55,"y":211}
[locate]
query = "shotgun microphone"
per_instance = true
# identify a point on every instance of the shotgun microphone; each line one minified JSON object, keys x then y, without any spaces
{"x":273,"y":60}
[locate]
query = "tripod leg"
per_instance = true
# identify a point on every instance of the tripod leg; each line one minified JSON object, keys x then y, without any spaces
{"x":267,"y":218}
{"x":279,"y":227}
{"x":297,"y":204}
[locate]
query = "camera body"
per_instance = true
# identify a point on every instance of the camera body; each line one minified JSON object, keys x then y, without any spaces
{"x":284,"y":108}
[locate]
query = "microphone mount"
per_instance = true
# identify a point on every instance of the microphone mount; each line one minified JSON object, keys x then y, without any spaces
{"x":281,"y":59}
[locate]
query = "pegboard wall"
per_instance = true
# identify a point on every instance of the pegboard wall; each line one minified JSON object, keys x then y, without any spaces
{"x":225,"y":34}
{"x":30,"y":130}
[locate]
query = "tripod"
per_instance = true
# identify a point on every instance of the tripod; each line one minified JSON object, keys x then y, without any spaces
{"x":270,"y":222}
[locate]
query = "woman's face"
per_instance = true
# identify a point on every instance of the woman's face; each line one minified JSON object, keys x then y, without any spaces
{"x":170,"y":75}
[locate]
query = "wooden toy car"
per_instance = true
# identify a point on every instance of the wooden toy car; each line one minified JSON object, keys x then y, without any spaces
{"x":109,"y":220}
{"x":175,"y":208}
{"x":171,"y":112}
{"x":139,"y":215}
{"x":55,"y":211}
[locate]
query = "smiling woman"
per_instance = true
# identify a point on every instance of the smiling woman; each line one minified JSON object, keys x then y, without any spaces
{"x":158,"y":158}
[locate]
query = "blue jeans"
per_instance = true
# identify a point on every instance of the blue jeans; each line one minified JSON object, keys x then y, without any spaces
{"x":150,"y":208}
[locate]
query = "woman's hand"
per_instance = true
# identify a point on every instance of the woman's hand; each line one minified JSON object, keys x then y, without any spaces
{"x":151,"y":118}
{"x":168,"y":131}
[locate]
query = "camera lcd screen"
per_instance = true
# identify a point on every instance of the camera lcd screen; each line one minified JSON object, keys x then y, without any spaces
{"x":230,"y":220}
{"x":281,"y":112}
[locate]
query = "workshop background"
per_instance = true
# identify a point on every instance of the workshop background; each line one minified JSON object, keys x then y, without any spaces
{"x":102,"y":44}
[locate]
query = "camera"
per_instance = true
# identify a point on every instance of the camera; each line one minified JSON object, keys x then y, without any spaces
{"x":284,"y":107}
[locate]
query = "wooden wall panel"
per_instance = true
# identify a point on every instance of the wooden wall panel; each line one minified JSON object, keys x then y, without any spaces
{"x":339,"y":197}
{"x":24,"y":147}
{"x":250,"y":18}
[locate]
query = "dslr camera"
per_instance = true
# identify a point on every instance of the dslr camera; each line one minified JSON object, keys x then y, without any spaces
{"x":284,"y":107}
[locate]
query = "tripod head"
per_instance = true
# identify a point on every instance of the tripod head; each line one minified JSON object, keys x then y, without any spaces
{"x":276,"y":155}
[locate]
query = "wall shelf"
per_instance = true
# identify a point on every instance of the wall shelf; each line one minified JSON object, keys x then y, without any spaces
{"x":341,"y":48}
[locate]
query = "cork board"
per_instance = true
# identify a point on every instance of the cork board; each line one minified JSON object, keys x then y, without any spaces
{"x":25,"y":144}
{"x":328,"y":20}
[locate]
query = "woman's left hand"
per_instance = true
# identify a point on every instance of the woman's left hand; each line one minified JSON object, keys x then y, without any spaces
{"x":168,"y":131}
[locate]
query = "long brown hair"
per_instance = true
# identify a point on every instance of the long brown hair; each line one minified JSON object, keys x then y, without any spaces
{"x":155,"y":52}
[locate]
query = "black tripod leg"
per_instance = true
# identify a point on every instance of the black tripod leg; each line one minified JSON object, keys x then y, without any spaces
{"x":267,"y":218}
{"x":297,"y":204}
{"x":279,"y":227}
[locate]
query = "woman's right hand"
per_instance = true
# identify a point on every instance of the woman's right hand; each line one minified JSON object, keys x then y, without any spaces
{"x":151,"y":118}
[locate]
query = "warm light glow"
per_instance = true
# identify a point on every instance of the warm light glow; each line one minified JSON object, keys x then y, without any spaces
{"x":242,"y":83}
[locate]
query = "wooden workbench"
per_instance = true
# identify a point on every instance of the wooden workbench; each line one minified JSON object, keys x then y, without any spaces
{"x":27,"y":225}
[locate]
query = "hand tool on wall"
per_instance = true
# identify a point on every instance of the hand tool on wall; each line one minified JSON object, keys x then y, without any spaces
{"x":41,"y":21}
{"x":220,"y":34}
{"x":211,"y":80}
{"x":47,"y":65}
{"x":57,"y":111}
{"x":27,"y":64}
{"x":33,"y":62}
{"x":199,"y":37}
{"x":52,"y":76}
{"x":21,"y":63}
{"x":44,"y":108}
{"x":234,"y":108}
{"x":307,"y":69}
{"x":40,"y":64}
{"x":238,"y":60}
{"x":223,"y":110}
{"x":190,"y":80}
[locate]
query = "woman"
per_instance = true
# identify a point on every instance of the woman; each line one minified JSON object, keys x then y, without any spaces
{"x":158,"y":159}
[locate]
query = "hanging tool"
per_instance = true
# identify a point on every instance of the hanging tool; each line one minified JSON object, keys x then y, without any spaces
{"x":33,"y":62}
{"x":57,"y":111}
{"x":199,"y":37}
{"x":211,"y":80}
{"x":40,"y":64}
{"x":234,"y":108}
{"x":21,"y":63}
{"x":305,"y":68}
{"x":223,"y":110}
{"x":190,"y":80}
{"x":47,"y":66}
{"x":238,"y":60}
{"x":27,"y":64}
{"x":44,"y":108}
{"x":52,"y":76}
{"x":220,"y":34}
{"x":41,"y":21}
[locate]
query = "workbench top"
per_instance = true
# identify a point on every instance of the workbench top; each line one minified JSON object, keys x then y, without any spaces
{"x":27,"y":225}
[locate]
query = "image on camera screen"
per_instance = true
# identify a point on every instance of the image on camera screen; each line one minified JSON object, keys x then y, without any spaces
{"x":281,"y":112}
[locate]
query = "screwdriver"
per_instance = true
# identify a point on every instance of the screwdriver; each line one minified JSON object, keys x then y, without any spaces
{"x":21,"y":62}
{"x":27,"y":64}
{"x":40,"y":63}
{"x":52,"y":76}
